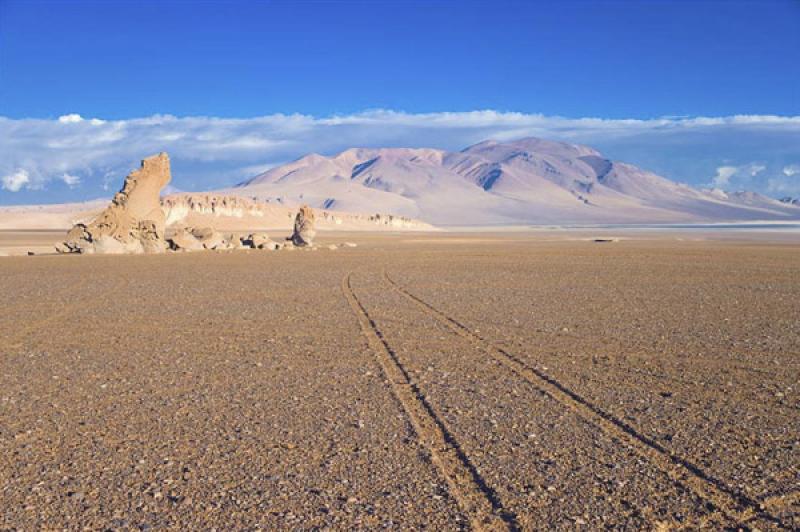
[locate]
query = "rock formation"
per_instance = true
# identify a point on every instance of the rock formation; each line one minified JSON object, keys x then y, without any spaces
{"x":304,"y":232}
{"x":210,"y":238}
{"x":134,"y":222}
{"x":184,"y":240}
{"x":257,"y":241}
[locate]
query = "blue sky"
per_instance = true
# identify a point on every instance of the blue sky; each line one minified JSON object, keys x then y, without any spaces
{"x":159,"y":75}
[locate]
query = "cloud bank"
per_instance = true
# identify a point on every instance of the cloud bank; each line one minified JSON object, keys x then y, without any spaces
{"x":73,"y":157}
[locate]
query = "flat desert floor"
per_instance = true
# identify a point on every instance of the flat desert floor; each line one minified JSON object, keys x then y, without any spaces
{"x":526,"y":381}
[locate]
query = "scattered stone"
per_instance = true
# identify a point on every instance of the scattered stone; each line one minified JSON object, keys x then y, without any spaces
{"x":350,"y":244}
{"x":210,"y":239}
{"x":234,"y":242}
{"x":304,"y":231}
{"x":260,"y":241}
{"x":183,"y":240}
{"x":134,"y":219}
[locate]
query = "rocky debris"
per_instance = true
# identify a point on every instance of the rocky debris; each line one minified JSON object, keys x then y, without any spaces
{"x":350,"y":244}
{"x":136,"y":223}
{"x":234,"y":241}
{"x":260,"y":241}
{"x":304,"y":231}
{"x":184,"y":240}
{"x":210,"y":239}
{"x":134,"y":220}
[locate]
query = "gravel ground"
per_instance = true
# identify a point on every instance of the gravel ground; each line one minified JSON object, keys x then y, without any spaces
{"x":241,"y":390}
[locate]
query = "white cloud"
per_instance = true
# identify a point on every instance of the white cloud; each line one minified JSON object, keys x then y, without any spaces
{"x":723,"y":177}
{"x":738,"y":177}
{"x":70,"y":118}
{"x":14,"y":182}
{"x":208,"y":152}
{"x":791,"y":170}
{"x":74,"y":118}
{"x":71,"y":180}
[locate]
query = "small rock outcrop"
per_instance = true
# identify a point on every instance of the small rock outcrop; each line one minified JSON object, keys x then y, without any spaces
{"x":304,"y":231}
{"x":134,"y":222}
{"x":259,"y":241}
{"x":210,"y":238}
{"x":183,"y":240}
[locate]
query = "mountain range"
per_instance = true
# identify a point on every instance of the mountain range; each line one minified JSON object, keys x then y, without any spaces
{"x":527,"y":181}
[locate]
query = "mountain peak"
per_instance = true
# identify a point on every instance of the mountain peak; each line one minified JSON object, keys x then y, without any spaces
{"x":528,"y":180}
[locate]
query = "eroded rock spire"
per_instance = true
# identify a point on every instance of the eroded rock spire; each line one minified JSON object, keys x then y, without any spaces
{"x":304,"y":231}
{"x":134,"y":222}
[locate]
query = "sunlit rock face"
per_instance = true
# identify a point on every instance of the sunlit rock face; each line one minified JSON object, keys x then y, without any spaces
{"x":304,"y":231}
{"x":134,"y":222}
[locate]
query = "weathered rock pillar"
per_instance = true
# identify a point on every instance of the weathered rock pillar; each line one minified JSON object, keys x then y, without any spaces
{"x":304,"y":232}
{"x":134,"y":222}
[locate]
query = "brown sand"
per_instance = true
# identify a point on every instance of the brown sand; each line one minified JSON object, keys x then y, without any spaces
{"x":536,"y":382}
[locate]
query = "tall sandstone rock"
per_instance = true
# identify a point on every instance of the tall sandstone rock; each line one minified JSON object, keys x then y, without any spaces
{"x":304,"y":231}
{"x":134,"y":222}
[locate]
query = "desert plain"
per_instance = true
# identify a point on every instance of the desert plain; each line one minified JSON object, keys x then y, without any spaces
{"x":516,"y":381}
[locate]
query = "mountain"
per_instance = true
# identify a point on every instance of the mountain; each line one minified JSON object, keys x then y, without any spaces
{"x":527,"y":181}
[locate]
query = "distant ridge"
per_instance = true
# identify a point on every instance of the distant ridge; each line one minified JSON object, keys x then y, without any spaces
{"x":527,"y":181}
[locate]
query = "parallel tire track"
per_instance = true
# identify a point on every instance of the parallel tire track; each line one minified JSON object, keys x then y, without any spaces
{"x":736,"y":506}
{"x":473,"y":496}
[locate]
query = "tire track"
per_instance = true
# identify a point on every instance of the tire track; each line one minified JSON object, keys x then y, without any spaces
{"x":736,"y":506}
{"x":468,"y":488}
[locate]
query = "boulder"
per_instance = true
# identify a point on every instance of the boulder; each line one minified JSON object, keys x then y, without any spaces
{"x":134,"y":219}
{"x":260,"y":241}
{"x":108,"y":245}
{"x":234,"y":241}
{"x":304,"y":231}
{"x":210,"y":239}
{"x":184,"y":240}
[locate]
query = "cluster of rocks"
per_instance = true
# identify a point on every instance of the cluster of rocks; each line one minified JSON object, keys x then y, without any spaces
{"x":136,"y":223}
{"x":198,"y":239}
{"x":195,"y":239}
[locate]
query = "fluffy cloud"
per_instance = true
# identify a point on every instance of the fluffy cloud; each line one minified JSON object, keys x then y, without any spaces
{"x":742,"y":175}
{"x":14,"y":182}
{"x":71,"y":180}
{"x":787,"y":183}
{"x":210,"y":152}
{"x":75,"y":118}
{"x":723,"y":177}
{"x":70,"y":118}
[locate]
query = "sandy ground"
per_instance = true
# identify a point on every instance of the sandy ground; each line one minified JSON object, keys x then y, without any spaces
{"x":537,"y":381}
